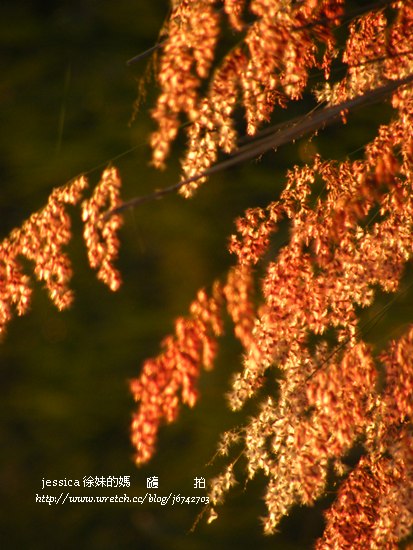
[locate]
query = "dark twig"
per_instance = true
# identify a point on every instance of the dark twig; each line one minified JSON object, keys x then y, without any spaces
{"x":146,"y":53}
{"x":273,"y":138}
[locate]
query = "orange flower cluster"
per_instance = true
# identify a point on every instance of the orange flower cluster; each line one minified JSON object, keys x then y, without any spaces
{"x":255,"y":230}
{"x":234,"y":10}
{"x":187,"y":56}
{"x":374,"y":508}
{"x":269,"y":66}
{"x":347,"y":241}
{"x":239,"y":293}
{"x":40,"y":239}
{"x":175,"y":370}
{"x":337,"y":254}
{"x":377,"y":50}
{"x":100,"y":234}
{"x":213,"y":126}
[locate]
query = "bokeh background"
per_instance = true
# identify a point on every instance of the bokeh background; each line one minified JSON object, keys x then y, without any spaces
{"x":67,"y":98}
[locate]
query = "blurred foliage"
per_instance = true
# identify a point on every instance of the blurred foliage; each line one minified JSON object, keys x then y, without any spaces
{"x":67,"y":97}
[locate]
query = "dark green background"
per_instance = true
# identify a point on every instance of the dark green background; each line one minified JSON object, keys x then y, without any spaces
{"x":66,"y":100}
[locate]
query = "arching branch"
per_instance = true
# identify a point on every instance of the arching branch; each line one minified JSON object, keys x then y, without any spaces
{"x":272,"y":138}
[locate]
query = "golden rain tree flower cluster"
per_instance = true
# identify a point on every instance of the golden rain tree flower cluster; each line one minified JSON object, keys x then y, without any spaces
{"x":99,"y":232}
{"x":176,"y":370}
{"x":354,"y":237}
{"x":269,"y":67}
{"x":42,"y":238}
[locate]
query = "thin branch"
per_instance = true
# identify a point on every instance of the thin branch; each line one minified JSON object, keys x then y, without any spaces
{"x":279,"y":135}
{"x":146,"y":53}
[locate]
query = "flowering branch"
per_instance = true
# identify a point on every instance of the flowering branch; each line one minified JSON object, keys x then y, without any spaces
{"x":273,"y":138}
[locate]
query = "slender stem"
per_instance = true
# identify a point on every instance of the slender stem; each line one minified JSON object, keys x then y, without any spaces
{"x":146,"y":53}
{"x":273,"y":137}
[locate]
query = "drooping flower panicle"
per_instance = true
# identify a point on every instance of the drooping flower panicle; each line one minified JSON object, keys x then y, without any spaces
{"x":347,"y":241}
{"x":100,"y":233}
{"x":175,"y":371}
{"x":42,"y":238}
